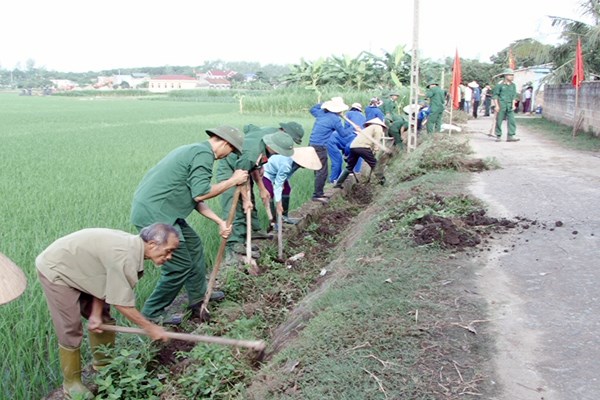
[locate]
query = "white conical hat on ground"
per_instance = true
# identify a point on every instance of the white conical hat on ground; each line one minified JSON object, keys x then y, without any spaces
{"x":12,"y":280}
{"x":307,"y":158}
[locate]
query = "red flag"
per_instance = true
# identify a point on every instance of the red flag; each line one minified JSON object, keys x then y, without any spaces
{"x":578,"y":73}
{"x":511,"y":59}
{"x":456,"y":80}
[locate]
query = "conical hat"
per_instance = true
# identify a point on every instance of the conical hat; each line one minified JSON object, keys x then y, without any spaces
{"x":307,"y":158}
{"x":376,"y":121}
{"x":12,"y":280}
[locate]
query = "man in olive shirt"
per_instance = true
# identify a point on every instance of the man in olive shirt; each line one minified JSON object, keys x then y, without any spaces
{"x":259,"y":145}
{"x":436,"y":98}
{"x":504,"y":96}
{"x":83,"y":273}
{"x":169,"y":193}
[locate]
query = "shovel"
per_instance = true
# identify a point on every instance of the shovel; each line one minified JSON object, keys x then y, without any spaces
{"x":204,"y":314}
{"x":256,"y":345}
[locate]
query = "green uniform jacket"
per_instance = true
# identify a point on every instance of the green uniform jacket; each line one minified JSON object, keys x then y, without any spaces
{"x":390,"y":110}
{"x":168,"y":190}
{"x":505,"y":93}
{"x":436,"y":98}
{"x":247,"y":161}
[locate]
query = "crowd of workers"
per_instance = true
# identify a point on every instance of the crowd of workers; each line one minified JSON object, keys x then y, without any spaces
{"x":86,"y":272}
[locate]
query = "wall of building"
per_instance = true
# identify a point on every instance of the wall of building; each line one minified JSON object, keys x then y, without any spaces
{"x":559,"y":105}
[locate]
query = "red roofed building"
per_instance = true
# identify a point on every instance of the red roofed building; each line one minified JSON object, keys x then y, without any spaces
{"x":166,"y":83}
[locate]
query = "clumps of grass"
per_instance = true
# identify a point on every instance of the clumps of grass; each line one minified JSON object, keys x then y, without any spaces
{"x":440,"y":152}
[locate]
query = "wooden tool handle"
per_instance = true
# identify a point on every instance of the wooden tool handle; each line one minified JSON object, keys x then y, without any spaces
{"x":221,"y":251}
{"x":279,"y":235}
{"x":257,"y":345}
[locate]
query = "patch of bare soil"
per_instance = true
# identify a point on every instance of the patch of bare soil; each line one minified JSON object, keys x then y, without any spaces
{"x":458,"y":233}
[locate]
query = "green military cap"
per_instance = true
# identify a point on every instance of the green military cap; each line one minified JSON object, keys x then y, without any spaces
{"x":281,"y":142}
{"x":294,"y":129}
{"x":431,"y":83}
{"x":250,"y":127}
{"x":508,"y":71}
{"x":231,"y":135}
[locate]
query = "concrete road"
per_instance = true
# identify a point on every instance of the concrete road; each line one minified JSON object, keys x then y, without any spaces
{"x":541,"y":285}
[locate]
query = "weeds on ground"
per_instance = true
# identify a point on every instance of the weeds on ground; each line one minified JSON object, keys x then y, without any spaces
{"x":439,"y":152}
{"x":562,"y":134}
{"x":128,"y":376}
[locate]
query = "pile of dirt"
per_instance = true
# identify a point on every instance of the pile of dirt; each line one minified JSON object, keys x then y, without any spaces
{"x":459,"y":232}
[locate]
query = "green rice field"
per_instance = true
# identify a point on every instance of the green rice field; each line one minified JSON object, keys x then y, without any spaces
{"x":73,"y":163}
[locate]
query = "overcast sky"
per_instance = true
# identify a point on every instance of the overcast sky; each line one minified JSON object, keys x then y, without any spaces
{"x":88,"y":35}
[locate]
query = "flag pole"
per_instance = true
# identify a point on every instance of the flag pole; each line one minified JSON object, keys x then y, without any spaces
{"x":578,"y":77}
{"x":575,"y":118}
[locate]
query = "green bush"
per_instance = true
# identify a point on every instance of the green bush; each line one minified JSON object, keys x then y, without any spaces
{"x":128,"y":377}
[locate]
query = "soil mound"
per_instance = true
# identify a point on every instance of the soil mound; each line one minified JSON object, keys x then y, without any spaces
{"x":458,"y":232}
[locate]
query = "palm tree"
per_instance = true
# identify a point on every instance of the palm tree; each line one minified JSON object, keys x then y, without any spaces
{"x":563,"y":55}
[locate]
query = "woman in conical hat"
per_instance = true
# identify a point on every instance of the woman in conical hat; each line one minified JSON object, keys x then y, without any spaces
{"x":277,"y":173}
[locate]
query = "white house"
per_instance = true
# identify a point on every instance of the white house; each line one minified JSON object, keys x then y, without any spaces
{"x":166,"y":83}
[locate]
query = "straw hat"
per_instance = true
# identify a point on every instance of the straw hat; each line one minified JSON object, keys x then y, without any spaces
{"x":335,"y":105}
{"x":411,"y":108}
{"x":307,"y":157}
{"x":358,"y":106}
{"x":230,"y":134}
{"x":376,"y":121}
{"x":473,"y":84}
{"x":281,"y":142}
{"x":12,"y":280}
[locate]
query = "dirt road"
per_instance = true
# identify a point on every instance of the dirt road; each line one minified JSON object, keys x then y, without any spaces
{"x":542,"y":285}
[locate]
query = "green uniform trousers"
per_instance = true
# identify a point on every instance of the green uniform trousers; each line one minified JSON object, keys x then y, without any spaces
{"x":507,"y":112}
{"x":186,"y":268}
{"x":434,"y":121}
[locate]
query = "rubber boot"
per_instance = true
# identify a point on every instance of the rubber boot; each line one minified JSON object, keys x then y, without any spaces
{"x":285,"y":202}
{"x":70,"y":363}
{"x":106,"y":338}
{"x":341,"y":179}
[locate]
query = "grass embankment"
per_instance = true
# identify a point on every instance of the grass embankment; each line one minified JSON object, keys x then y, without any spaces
{"x":561,"y":133}
{"x":388,"y":323}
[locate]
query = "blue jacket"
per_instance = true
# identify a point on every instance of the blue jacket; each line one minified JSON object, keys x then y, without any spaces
{"x":279,"y":169}
{"x":325,"y":124}
{"x":357,"y":117}
{"x":374,"y":112}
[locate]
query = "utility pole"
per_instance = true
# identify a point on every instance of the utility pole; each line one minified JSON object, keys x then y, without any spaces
{"x":414,"y":83}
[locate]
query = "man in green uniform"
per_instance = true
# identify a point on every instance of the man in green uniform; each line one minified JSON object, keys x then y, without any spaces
{"x":83,"y":274}
{"x":259,"y":144}
{"x":504,"y":96}
{"x":393,"y":119}
{"x":296,"y":132}
{"x":436,"y":98}
{"x":168,"y":193}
